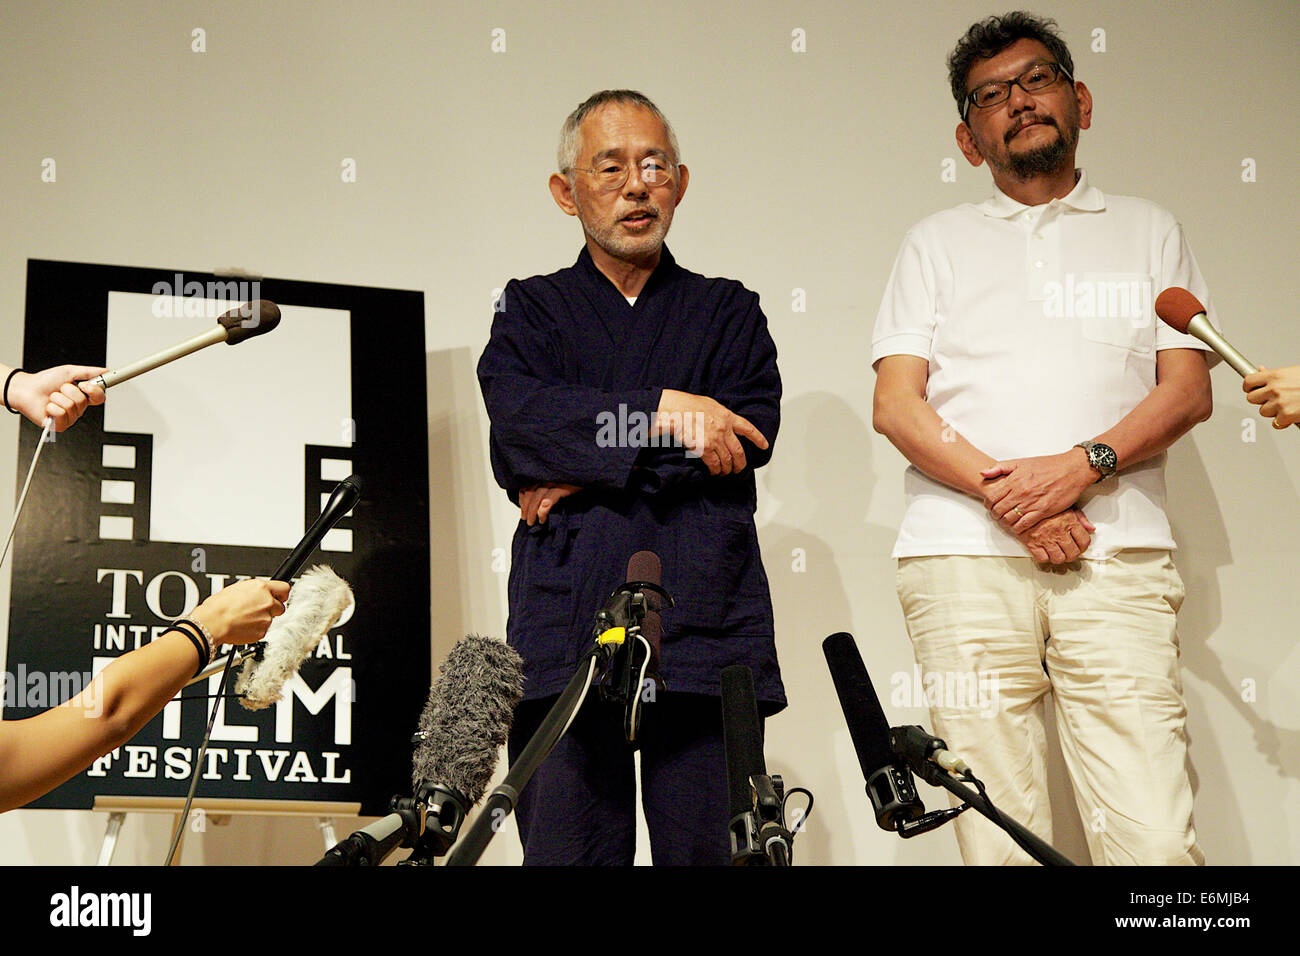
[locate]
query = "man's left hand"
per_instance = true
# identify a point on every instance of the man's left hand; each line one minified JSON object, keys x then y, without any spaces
{"x":1023,"y":491}
{"x":536,"y":501}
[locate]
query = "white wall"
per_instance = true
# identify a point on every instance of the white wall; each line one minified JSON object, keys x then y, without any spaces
{"x":806,"y":170}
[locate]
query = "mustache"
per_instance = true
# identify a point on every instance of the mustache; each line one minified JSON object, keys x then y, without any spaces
{"x":1031,"y":119}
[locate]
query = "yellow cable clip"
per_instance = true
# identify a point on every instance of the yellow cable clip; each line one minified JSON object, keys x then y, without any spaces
{"x":615,"y":635}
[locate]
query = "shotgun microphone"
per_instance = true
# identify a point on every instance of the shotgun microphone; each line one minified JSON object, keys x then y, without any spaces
{"x":756,"y":810}
{"x":889,"y":781}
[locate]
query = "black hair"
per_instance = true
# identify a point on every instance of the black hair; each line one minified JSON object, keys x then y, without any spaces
{"x":991,"y":36}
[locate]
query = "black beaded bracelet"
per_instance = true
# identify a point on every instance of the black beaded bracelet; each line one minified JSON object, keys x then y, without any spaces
{"x":9,"y":378}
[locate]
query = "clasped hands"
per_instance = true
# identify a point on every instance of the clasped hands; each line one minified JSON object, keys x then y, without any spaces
{"x":705,"y":427}
{"x":1034,"y":499}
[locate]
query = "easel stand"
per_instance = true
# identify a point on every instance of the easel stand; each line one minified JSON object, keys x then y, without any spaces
{"x":218,"y":811}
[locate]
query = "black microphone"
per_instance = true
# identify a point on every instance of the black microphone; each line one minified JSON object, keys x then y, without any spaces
{"x":889,"y":782}
{"x":465,"y":722}
{"x":344,"y":497}
{"x":755,"y":800}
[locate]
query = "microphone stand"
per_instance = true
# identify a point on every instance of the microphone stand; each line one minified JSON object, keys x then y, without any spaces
{"x":1039,"y":849}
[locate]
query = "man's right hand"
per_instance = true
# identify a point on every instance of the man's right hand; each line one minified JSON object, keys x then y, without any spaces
{"x":707,"y":429}
{"x":1059,"y":539}
{"x":536,"y":501}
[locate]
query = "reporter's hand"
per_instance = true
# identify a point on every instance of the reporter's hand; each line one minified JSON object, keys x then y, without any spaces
{"x":536,"y":501}
{"x":1059,"y":539}
{"x":707,"y":428}
{"x":1277,"y":392}
{"x":54,"y":394}
{"x":241,"y":613}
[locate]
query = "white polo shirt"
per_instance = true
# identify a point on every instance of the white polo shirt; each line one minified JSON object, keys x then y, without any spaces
{"x":1039,"y":326}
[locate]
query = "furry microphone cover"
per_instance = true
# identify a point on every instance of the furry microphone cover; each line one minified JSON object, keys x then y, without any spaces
{"x":316,"y":602}
{"x":468,"y":715}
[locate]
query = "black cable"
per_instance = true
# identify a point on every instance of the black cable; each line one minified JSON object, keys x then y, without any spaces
{"x":1010,"y":831}
{"x":807,"y":810}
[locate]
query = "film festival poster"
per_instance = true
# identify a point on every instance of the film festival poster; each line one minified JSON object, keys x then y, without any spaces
{"x":210,"y":469}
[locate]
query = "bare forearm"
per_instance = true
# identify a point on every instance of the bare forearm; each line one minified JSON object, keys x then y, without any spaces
{"x":1164,"y":416}
{"x":41,"y":752}
{"x":931,"y":444}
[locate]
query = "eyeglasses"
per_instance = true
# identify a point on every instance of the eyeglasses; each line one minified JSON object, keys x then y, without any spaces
{"x":612,"y":174}
{"x":1039,"y":77}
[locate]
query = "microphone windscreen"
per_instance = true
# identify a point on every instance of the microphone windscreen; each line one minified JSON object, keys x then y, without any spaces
{"x":646,"y":566}
{"x":316,"y":602}
{"x":742,"y":736}
{"x":862,"y":710}
{"x":1177,"y":307}
{"x":467,"y":717}
{"x":255,"y":318}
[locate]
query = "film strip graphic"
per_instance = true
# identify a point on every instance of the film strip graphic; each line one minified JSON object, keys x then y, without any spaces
{"x":125,"y":486}
{"x":326,"y":466}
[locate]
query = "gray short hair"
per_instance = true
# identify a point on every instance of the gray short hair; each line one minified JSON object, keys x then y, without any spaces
{"x":567,"y":155}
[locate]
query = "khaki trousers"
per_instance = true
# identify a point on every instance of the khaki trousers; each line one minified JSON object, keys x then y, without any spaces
{"x":1100,"y":635}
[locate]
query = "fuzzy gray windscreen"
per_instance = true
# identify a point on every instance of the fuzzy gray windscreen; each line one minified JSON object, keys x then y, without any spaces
{"x":468,"y":715}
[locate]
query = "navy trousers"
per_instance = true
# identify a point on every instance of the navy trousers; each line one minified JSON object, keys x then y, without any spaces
{"x":579,"y":808}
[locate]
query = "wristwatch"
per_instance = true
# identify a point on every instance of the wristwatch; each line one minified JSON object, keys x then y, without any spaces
{"x":1101,"y":457}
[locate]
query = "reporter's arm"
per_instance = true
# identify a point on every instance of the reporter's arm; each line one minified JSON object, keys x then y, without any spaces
{"x":39,"y":753}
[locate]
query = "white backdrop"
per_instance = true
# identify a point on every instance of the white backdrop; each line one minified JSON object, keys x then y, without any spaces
{"x":816,"y":133}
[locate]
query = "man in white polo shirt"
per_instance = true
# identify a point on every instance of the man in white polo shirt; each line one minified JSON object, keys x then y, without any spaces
{"x":1021,"y":371}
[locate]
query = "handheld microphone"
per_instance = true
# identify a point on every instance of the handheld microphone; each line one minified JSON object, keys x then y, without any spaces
{"x":243,"y":322}
{"x":1183,"y":311}
{"x":889,"y":782}
{"x":342,"y":500}
{"x":233,"y":327}
{"x":462,"y":728}
{"x":755,"y":800}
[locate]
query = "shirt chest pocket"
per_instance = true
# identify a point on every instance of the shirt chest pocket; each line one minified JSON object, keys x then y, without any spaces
{"x":1115,"y":309}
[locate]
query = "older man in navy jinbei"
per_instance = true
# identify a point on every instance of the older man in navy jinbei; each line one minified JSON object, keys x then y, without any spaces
{"x":631,"y":401}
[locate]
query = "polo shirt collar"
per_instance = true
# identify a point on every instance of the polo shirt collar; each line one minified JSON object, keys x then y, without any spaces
{"x":1084,"y":197}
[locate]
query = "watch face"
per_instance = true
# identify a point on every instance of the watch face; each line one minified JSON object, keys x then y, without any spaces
{"x":1103,"y":457}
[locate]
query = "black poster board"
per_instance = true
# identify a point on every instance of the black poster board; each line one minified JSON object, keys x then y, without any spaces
{"x":94,"y":570}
